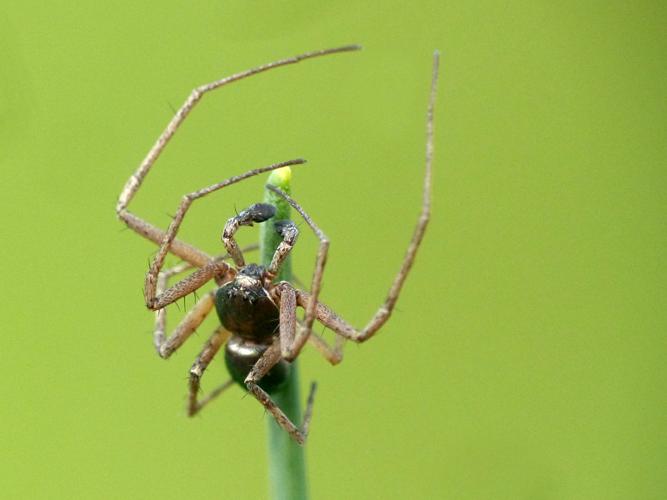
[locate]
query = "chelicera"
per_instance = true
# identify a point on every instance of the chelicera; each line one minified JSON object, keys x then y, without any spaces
{"x":259,"y":328}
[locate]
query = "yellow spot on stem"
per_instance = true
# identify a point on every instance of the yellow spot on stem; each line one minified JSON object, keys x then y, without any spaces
{"x":281,"y":177}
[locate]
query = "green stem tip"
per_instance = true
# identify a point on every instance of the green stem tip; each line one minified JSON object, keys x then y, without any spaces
{"x":287,"y":465}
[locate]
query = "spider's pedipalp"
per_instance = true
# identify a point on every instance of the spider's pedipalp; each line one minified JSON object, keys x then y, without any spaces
{"x":259,"y":212}
{"x":289,"y":233}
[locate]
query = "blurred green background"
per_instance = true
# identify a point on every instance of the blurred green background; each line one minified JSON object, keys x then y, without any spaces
{"x":526,"y":359}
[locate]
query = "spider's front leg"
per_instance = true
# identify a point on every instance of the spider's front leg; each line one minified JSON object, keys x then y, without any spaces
{"x":183,"y":250}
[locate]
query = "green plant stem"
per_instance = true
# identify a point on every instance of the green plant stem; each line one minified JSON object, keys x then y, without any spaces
{"x":287,"y":465}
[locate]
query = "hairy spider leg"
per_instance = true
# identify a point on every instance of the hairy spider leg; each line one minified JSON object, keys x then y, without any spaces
{"x":333,"y":355}
{"x":310,"y":301}
{"x":287,"y":316}
{"x":268,"y":360}
{"x":195,"y":316}
{"x":187,"y":326}
{"x":165,"y":347}
{"x":210,"y":270}
{"x":179,"y":248}
{"x":292,"y":351}
{"x":183,"y":250}
{"x":217,"y":340}
{"x":285,"y":295}
{"x":290,"y":341}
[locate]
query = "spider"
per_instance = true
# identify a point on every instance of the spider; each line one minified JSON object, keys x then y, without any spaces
{"x":258,"y":323}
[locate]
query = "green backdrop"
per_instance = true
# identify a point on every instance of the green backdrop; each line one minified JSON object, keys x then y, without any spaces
{"x":526,"y":358}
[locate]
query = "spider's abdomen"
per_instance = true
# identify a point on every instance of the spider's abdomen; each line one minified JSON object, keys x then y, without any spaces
{"x":246,"y":310}
{"x":241,"y":355}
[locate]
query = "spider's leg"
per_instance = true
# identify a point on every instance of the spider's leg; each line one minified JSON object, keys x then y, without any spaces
{"x":159,"y":336}
{"x":156,"y":300}
{"x":334,"y":322}
{"x":288,"y":324}
{"x":134,"y":182}
{"x":333,"y":355}
{"x":195,"y":317}
{"x":210,"y":270}
{"x":289,"y":233}
{"x":269,"y":359}
{"x":259,"y":212}
{"x":183,"y":250}
{"x":287,"y":317}
{"x":217,"y":340}
{"x":179,"y":248}
{"x":325,"y":315}
{"x":328,"y":317}
{"x":198,"y":405}
{"x":253,"y":247}
{"x":316,"y":284}
{"x":165,"y":347}
{"x":292,"y":343}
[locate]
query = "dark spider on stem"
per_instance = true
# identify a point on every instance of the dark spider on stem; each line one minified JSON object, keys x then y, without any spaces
{"x":259,"y":327}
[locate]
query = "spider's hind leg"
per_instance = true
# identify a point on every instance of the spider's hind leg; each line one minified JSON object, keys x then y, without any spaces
{"x":217,"y":340}
{"x":291,"y":341}
{"x":268,"y":360}
{"x":333,"y":355}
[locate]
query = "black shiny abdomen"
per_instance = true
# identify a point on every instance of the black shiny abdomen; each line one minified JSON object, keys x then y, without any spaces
{"x":241,"y":355}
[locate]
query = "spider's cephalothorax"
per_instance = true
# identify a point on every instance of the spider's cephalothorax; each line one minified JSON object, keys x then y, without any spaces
{"x":259,"y":325}
{"x":245,"y":307}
